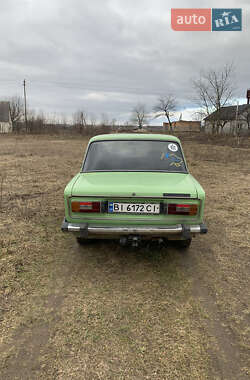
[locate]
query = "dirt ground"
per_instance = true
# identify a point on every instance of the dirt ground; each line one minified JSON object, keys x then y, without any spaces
{"x":107,"y":312}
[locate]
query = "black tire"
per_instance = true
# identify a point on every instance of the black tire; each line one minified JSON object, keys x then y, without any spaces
{"x":184,"y":244}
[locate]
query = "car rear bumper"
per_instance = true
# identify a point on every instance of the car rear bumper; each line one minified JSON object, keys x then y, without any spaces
{"x":180,"y":230}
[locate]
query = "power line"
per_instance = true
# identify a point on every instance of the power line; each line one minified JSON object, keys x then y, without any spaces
{"x":104,"y":87}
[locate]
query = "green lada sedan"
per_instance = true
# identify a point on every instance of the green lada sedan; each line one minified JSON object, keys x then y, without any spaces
{"x":133,"y":187}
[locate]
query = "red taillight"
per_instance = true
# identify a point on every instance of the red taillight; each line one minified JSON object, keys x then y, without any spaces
{"x":182,"y":209}
{"x":86,"y":206}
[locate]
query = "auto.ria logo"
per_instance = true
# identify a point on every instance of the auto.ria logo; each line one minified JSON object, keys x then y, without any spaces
{"x":206,"y":19}
{"x":226,"y":19}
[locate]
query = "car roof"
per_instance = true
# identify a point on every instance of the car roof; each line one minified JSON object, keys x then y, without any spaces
{"x":134,"y":136}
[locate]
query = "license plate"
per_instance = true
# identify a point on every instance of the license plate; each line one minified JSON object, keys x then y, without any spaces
{"x":134,"y":208}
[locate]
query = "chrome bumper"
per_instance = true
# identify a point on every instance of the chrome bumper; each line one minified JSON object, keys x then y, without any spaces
{"x":179,"y":229}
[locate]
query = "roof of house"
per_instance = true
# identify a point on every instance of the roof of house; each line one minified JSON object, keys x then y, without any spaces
{"x":227,"y":113}
{"x":4,"y":111}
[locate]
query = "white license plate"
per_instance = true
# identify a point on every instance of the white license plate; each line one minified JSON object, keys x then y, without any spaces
{"x":134,"y":208}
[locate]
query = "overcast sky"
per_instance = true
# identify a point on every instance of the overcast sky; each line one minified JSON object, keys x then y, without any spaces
{"x":104,"y":56}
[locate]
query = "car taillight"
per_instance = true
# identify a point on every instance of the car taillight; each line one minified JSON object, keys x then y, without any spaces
{"x":86,"y":206}
{"x":182,"y":209}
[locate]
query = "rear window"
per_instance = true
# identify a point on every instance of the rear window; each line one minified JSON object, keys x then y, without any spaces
{"x":134,"y":155}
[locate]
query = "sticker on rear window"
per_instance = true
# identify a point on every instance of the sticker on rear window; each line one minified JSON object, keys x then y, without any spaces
{"x":176,"y":161}
{"x":173,"y":147}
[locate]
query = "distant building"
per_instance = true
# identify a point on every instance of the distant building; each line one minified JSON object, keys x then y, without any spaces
{"x":227,"y":116}
{"x":5,"y":119}
{"x":183,"y":126}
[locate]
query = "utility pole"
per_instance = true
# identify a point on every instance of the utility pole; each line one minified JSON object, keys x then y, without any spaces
{"x":237,"y":114}
{"x":25,"y":106}
{"x":248,"y":96}
{"x":237,"y":124}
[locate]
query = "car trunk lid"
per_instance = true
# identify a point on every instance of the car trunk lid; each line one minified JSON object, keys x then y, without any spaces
{"x":135,"y":184}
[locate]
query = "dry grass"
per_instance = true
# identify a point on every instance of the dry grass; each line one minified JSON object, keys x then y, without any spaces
{"x":101,"y":312}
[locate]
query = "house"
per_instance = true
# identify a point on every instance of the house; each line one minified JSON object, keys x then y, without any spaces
{"x":183,"y":126}
{"x":226,"y":118}
{"x":5,"y":119}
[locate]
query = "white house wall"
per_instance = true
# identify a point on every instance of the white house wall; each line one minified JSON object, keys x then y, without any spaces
{"x":5,"y":127}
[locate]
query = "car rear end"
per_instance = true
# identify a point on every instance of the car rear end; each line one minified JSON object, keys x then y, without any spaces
{"x":132,"y":189}
{"x":171,"y":216}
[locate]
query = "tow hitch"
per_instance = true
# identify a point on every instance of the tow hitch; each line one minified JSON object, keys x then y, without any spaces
{"x":132,"y":240}
{"x":136,"y":240}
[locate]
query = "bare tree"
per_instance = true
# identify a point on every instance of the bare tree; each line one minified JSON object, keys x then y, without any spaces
{"x":104,"y":122}
{"x":246,"y":117}
{"x":16,"y":110}
{"x":214,"y":90}
{"x":139,"y":115}
{"x":92,"y":120}
{"x":81,"y":120}
{"x":36,"y":122}
{"x":165,"y":106}
{"x":113,"y":124}
{"x":64,"y":120}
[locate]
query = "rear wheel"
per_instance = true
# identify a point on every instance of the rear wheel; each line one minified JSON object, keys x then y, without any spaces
{"x":184,"y":244}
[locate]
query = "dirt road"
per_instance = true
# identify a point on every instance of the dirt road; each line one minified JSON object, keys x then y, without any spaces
{"x":106,"y":312}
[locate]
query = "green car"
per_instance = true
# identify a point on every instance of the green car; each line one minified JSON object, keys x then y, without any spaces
{"x":133,"y":187}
